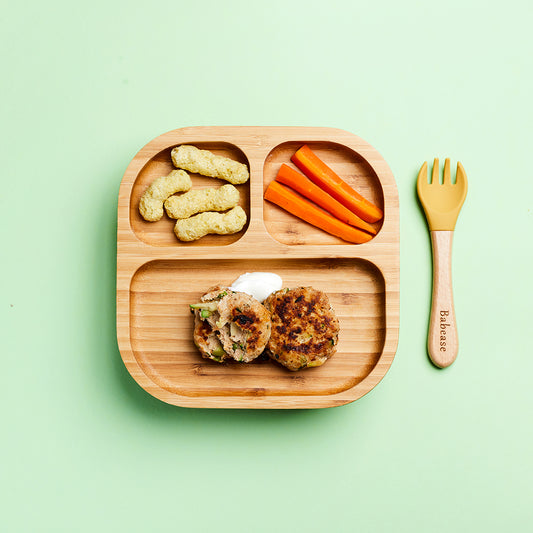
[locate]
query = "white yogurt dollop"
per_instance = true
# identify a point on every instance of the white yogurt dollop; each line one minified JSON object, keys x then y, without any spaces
{"x":257,"y":284}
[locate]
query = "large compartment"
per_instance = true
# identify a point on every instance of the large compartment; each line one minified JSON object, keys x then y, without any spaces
{"x":161,"y":326}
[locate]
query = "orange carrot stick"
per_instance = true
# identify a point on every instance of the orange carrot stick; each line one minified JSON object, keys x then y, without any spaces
{"x":298,"y":182}
{"x":300,"y":207}
{"x":318,"y":172}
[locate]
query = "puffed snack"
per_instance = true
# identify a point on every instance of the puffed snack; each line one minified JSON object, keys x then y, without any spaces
{"x":197,"y":226}
{"x":151,"y":203}
{"x":200,"y":200}
{"x":206,"y":163}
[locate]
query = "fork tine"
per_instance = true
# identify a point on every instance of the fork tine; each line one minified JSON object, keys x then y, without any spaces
{"x":422,"y":175}
{"x":435,"y":173}
{"x":446,"y":180}
{"x":460,"y":178}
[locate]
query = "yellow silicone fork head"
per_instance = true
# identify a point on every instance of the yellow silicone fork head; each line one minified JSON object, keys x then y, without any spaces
{"x":441,"y":203}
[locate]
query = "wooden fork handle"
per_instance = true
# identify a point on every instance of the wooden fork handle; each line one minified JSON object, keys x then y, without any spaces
{"x":442,"y":336}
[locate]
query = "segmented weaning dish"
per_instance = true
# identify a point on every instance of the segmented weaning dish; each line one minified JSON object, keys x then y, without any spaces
{"x":158,"y":276}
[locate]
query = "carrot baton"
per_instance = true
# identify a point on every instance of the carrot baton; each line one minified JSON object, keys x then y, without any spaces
{"x":318,"y":172}
{"x":301,"y":208}
{"x":298,"y":182}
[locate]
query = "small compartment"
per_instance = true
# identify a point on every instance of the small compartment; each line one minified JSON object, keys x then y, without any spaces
{"x":347,"y":163}
{"x":161,"y":326}
{"x":161,"y":233}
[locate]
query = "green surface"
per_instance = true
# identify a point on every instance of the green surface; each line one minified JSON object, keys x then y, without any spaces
{"x":84,"y":88}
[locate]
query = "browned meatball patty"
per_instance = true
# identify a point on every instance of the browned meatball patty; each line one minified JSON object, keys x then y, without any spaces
{"x":305,"y":329}
{"x":230,"y":325}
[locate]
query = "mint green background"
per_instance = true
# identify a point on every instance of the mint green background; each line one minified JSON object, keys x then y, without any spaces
{"x":83,"y":447}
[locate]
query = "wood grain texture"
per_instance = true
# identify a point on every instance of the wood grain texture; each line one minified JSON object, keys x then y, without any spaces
{"x":443,"y":343}
{"x":158,"y":276}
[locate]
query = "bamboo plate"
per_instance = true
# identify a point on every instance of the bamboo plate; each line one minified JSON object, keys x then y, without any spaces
{"x":158,"y":276}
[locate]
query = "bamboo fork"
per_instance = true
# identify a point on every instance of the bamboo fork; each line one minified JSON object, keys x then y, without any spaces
{"x":442,"y":204}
